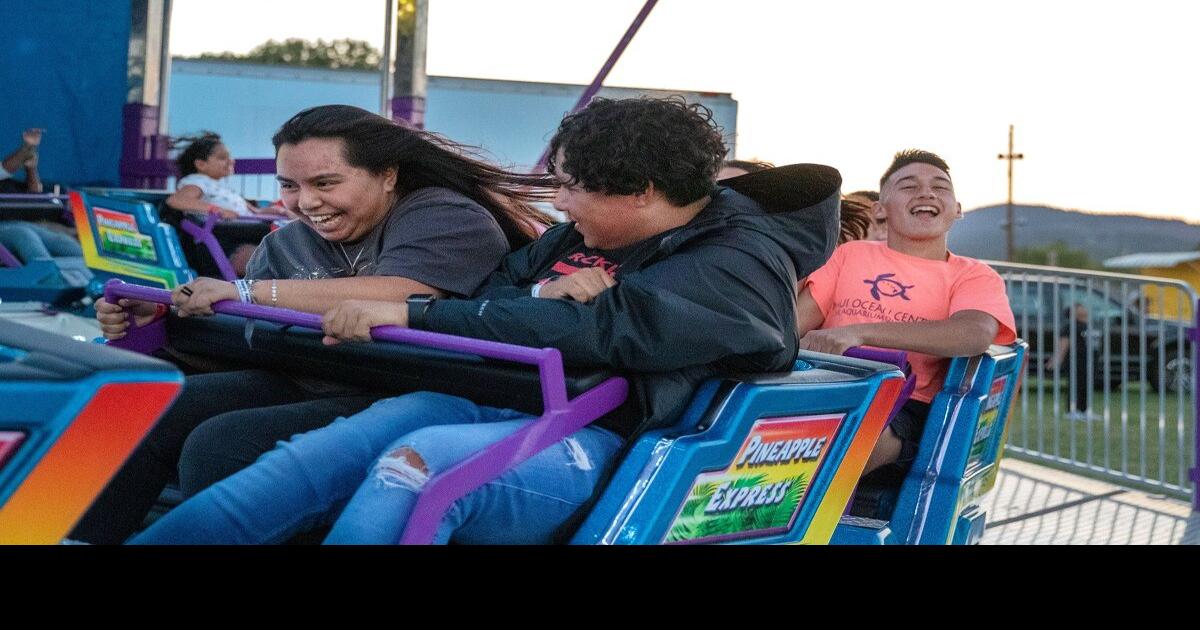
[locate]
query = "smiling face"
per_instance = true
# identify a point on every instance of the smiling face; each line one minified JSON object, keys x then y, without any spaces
{"x":219,"y":163}
{"x":602,"y":220}
{"x":339,"y":201}
{"x":919,"y":203}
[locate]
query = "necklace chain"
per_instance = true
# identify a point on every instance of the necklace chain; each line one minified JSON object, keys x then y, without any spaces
{"x":353,"y":264}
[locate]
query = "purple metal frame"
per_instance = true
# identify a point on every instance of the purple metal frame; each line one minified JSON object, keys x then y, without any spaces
{"x":898,"y":358}
{"x":594,"y":87}
{"x":203,"y":235}
{"x":560,"y":417}
{"x":409,"y":110}
{"x":7,"y":259}
{"x":32,"y":197}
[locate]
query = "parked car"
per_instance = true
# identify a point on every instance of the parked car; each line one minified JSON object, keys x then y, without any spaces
{"x":1125,"y":344}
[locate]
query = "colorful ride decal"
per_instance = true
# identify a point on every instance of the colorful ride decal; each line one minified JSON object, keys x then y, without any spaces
{"x":763,"y":488}
{"x":119,"y":234}
{"x":987,"y":424}
{"x":83,"y":459}
{"x":101,"y":260}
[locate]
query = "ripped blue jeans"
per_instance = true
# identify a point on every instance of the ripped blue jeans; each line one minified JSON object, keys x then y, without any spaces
{"x":358,"y":474}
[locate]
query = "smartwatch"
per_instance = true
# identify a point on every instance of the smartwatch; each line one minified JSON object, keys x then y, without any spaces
{"x":418,"y":305}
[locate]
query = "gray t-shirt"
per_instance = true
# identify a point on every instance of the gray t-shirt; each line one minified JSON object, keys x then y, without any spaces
{"x":435,"y":236}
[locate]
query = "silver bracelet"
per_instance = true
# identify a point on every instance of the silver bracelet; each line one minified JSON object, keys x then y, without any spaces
{"x":274,"y":293}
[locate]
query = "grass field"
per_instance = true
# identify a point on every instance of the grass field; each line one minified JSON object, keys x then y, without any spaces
{"x":1136,"y":432}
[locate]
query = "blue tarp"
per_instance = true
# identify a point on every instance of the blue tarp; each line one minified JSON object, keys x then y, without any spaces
{"x":64,"y":69}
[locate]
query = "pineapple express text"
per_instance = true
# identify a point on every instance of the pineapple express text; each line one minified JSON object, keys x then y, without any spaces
{"x":759,"y":453}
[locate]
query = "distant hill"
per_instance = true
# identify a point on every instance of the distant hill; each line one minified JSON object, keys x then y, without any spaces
{"x":979,"y":234}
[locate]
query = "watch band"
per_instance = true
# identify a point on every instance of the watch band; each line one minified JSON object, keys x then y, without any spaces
{"x":418,"y":306}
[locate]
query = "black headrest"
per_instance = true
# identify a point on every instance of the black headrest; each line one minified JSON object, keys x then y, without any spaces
{"x":788,"y":188}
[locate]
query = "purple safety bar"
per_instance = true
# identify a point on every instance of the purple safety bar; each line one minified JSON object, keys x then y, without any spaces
{"x":204,"y":235}
{"x":560,"y":417}
{"x":898,"y":358}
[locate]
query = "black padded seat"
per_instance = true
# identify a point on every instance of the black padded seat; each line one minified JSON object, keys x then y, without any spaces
{"x":229,"y":234}
{"x":40,"y":210}
{"x":382,"y":367}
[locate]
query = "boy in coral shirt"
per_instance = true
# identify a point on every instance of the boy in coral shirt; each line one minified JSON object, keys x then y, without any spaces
{"x":908,"y":293}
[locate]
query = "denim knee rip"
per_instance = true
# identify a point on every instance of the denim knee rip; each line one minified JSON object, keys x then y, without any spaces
{"x":579,"y":457}
{"x":401,"y":468}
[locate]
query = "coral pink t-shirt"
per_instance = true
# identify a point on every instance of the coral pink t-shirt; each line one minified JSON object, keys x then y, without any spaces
{"x":865,"y":282}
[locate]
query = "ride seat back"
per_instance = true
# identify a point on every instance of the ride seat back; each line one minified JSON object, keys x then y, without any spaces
{"x":72,"y":414}
{"x":122,"y":237}
{"x":759,"y":459}
{"x":958,"y":458}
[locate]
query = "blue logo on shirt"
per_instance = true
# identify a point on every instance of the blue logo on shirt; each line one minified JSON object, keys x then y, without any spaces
{"x":885,"y":286}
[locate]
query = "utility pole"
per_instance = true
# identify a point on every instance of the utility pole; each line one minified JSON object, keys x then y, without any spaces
{"x":1011,"y":222}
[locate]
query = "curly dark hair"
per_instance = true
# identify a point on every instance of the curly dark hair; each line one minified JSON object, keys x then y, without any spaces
{"x":199,"y":147}
{"x":913,"y":156}
{"x":618,"y":147}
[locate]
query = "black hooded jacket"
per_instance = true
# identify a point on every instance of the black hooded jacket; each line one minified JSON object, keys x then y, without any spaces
{"x":714,"y":296}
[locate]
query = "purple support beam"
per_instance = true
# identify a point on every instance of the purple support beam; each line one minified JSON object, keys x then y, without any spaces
{"x":162,"y":168}
{"x":140,"y":144}
{"x":592,"y":89}
{"x":409,"y":110}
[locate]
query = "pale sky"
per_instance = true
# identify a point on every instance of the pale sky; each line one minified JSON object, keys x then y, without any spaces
{"x":1104,"y":94}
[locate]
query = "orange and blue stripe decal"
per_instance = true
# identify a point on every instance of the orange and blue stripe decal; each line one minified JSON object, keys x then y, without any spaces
{"x":833,"y":504}
{"x":55,"y":494}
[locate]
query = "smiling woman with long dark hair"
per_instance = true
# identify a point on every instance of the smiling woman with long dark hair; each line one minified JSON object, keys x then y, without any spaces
{"x":385,"y":212}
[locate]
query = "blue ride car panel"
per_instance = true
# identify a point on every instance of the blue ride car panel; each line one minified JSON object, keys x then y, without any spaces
{"x":47,"y":383}
{"x":678,"y":485}
{"x":958,"y":458}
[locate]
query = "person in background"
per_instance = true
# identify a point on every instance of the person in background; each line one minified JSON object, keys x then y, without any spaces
{"x":26,"y":157}
{"x":856,"y":220}
{"x":878,"y":217}
{"x":660,"y":274}
{"x":385,"y":212}
{"x":1078,"y":368}
{"x":908,"y":293}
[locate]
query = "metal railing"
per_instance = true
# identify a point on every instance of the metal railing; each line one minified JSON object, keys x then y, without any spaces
{"x":248,"y":185}
{"x":1110,"y":384}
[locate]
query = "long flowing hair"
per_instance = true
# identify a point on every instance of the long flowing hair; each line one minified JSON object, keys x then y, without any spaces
{"x":197,"y":147}
{"x":423,"y":159}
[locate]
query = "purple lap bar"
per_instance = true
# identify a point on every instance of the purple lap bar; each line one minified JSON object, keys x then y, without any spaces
{"x":560,"y":417}
{"x":204,"y":235}
{"x":898,"y":358}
